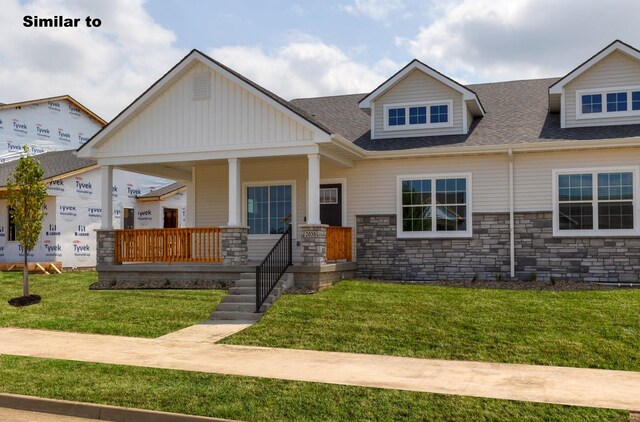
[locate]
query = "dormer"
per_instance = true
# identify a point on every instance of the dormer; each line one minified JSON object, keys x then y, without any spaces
{"x":603,"y":91}
{"x":420,"y":101}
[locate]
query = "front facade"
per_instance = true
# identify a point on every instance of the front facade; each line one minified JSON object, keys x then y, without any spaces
{"x":421,"y":179}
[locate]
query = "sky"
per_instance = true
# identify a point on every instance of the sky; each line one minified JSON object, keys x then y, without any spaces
{"x":297,"y":49}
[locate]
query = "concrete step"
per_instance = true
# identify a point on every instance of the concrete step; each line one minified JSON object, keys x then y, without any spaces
{"x":245,"y":299}
{"x":234,"y":315}
{"x":241,"y":307}
{"x":245,"y":283}
{"x":252,"y":291}
{"x":248,"y":276}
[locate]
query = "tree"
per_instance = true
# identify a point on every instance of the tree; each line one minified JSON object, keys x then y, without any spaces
{"x":26,"y":194}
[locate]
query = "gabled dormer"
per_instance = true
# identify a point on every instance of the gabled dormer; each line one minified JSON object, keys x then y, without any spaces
{"x":603,"y":91}
{"x":420,"y":101}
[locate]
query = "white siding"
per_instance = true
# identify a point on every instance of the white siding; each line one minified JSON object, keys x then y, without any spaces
{"x":176,"y":122}
{"x":418,"y":87}
{"x":616,"y":70}
{"x":533,"y":172}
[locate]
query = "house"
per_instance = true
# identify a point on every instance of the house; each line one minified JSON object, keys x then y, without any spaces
{"x":423,"y":178}
{"x":52,"y":128}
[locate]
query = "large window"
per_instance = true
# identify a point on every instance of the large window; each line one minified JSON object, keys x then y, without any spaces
{"x":418,"y":115}
{"x":269,"y":209}
{"x":608,"y":102}
{"x":595,"y":202}
{"x":434,"y":206}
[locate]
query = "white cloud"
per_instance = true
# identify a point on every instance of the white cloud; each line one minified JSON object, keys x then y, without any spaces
{"x":105,"y":68}
{"x":379,"y":10}
{"x":495,"y":40}
{"x":304,"y":69}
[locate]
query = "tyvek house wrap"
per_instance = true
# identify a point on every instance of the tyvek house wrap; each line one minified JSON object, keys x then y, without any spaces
{"x":73,"y":210}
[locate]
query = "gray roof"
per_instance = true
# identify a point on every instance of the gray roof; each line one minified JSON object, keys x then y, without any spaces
{"x":516,"y":113}
{"x":157,"y":193}
{"x":55,"y":163}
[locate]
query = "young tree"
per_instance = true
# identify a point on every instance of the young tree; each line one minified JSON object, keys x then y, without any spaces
{"x":26,"y":195}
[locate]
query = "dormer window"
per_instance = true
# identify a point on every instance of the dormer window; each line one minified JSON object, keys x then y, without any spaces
{"x":608,"y":102}
{"x":422,"y":115}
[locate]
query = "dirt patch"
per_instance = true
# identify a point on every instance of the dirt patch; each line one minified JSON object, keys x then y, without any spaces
{"x":523,"y":285}
{"x":634,"y":417}
{"x":25,"y":300}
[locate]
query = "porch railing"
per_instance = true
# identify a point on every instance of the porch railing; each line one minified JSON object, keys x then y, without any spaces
{"x":339,"y":243}
{"x":268,"y":273}
{"x":194,"y":244}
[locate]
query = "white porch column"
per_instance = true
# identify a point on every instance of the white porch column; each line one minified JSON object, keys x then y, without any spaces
{"x":234,"y":193}
{"x":191,"y":199}
{"x":313,"y":190}
{"x":106,"y":175}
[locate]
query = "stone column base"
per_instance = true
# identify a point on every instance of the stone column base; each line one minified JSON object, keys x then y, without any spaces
{"x":313,"y":241}
{"x":235,"y":250}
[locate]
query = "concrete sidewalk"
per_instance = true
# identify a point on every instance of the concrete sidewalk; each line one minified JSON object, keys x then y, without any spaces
{"x":547,"y":384}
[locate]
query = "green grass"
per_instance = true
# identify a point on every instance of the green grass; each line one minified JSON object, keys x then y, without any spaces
{"x":256,"y":399}
{"x":593,"y":329}
{"x":68,"y":305}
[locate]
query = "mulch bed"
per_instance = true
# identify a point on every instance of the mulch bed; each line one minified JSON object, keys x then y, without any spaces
{"x":523,"y":285}
{"x":25,"y":300}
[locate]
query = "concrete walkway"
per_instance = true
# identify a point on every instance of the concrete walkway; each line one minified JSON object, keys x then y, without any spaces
{"x":548,"y":384}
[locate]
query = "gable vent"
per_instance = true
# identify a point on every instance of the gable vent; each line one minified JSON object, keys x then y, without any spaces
{"x":201,"y":86}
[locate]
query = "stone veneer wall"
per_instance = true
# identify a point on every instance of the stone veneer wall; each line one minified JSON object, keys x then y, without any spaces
{"x":381,"y":255}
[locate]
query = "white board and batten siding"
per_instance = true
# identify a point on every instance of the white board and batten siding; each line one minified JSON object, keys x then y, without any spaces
{"x":184,"y":118}
{"x":614,"y":71}
{"x":417,"y":87}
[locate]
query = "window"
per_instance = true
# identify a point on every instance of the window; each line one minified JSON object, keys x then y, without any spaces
{"x":635,"y":100}
{"x":616,"y":101}
{"x":269,"y":209}
{"x":396,"y":117}
{"x":328,"y":196}
{"x":595,"y":202}
{"x":11,"y":235}
{"x":592,"y":103}
{"x":439,"y":114}
{"x":418,"y":115}
{"x":434,"y":206}
{"x":608,"y":102}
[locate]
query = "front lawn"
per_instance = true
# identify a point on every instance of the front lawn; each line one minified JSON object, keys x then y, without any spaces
{"x":260,"y":399}
{"x":593,"y":329}
{"x":68,"y":305}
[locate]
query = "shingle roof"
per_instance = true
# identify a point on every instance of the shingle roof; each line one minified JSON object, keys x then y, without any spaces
{"x":165,"y":190}
{"x":55,"y":163}
{"x":516,"y":113}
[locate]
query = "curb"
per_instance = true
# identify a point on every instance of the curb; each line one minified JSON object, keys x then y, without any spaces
{"x":95,"y":411}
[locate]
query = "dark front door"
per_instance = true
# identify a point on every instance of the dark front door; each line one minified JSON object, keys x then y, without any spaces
{"x":170,"y":218}
{"x":331,"y":204}
{"x":128,"y":218}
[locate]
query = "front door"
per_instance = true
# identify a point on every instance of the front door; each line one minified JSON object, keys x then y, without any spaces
{"x":170,"y":218}
{"x":331,"y":204}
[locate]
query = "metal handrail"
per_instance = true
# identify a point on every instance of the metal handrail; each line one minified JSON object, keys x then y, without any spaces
{"x":269,"y":272}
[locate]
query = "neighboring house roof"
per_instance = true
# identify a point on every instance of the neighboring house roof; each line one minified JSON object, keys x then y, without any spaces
{"x":94,"y":116}
{"x":56,"y":165}
{"x":175,"y":72}
{"x":163,"y":192}
{"x":415,"y":64}
{"x":617,"y":45}
{"x":516,"y":113}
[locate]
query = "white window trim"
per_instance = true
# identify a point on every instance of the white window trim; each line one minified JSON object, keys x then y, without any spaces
{"x":606,"y":114}
{"x":596,"y":232}
{"x":245,"y":222}
{"x":428,"y":125}
{"x":401,"y":234}
{"x":336,"y":202}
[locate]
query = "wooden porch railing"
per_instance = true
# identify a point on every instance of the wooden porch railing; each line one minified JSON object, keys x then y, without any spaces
{"x":338,"y":243}
{"x":194,"y":244}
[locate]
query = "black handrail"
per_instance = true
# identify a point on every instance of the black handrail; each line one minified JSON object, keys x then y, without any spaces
{"x":268,"y":273}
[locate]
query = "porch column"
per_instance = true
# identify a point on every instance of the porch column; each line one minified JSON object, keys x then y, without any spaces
{"x":106,"y":175}
{"x":191,"y":199}
{"x":313,"y":190}
{"x":234,"y":192}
